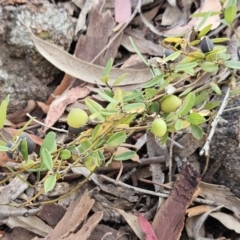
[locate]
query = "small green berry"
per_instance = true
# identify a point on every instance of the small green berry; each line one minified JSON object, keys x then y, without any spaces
{"x":170,"y":103}
{"x":30,"y":143}
{"x":77,"y":118}
{"x":159,"y":127}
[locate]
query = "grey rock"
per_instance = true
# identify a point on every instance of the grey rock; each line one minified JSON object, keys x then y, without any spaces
{"x":225,"y":148}
{"x":24,"y":73}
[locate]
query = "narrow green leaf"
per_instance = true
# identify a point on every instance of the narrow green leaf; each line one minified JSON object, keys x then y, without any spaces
{"x":134,"y":107}
{"x":172,"y":56}
{"x":209,"y":67}
{"x":108,"y":67}
{"x":109,"y":112}
{"x":65,"y":154}
{"x":220,"y":40}
{"x":197,"y":131}
{"x":24,"y":149}
{"x":50,"y":183}
{"x":119,"y":79}
{"x":216,"y":88}
{"x":124,"y":156}
{"x":211,"y":105}
{"x":95,"y":132}
{"x":4,"y":149}
{"x":138,"y":52}
{"x":184,"y":66}
{"x":3,"y":113}
{"x":47,"y":159}
{"x":106,"y":97}
{"x":203,"y":21}
{"x":233,"y":64}
{"x":195,"y":118}
{"x":116,"y":139}
{"x":94,"y":107}
{"x":230,"y":14}
{"x":49,"y":143}
{"x":185,"y":92}
{"x":188,"y":104}
{"x":202,"y":14}
{"x":157,"y":80}
{"x":205,"y":30}
{"x":201,"y":97}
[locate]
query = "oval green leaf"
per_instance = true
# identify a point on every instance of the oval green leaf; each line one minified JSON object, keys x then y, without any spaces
{"x":124,"y":156}
{"x":209,"y":67}
{"x":195,"y":118}
{"x":197,"y":132}
{"x":116,"y":139}
{"x":50,"y":183}
{"x":65,"y":154}
{"x":47,"y":159}
{"x":49,"y":143}
{"x":188,"y":104}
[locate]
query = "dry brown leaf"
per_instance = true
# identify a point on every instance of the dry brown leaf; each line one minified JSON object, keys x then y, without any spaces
{"x":133,"y":222}
{"x":195,"y":211}
{"x":43,"y":106}
{"x":207,"y":6}
{"x":87,"y":72}
{"x":227,"y":220}
{"x":59,"y":104}
{"x":222,"y":195}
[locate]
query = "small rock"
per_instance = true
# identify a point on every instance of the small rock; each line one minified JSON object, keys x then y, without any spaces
{"x":24,"y":73}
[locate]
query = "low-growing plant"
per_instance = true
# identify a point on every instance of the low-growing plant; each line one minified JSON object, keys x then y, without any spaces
{"x":174,"y":100}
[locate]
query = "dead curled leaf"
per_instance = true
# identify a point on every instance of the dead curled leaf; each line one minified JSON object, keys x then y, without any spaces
{"x":86,"y":71}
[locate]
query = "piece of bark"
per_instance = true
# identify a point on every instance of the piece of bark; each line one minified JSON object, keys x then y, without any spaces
{"x":51,"y":214}
{"x":74,"y":216}
{"x":169,"y":220}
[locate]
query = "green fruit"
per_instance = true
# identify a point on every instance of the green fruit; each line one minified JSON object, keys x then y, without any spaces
{"x":30,"y":143}
{"x":77,"y":118}
{"x":159,"y":127}
{"x":170,"y":104}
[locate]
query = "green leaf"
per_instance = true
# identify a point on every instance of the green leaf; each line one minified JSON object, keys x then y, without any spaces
{"x":172,"y":56}
{"x":185,"y":92}
{"x":220,"y":40}
{"x":195,"y":118}
{"x":50,"y":183}
{"x":95,"y":132}
{"x":184,"y":66}
{"x":205,"y":30}
{"x":197,"y":132}
{"x":84,"y":146}
{"x":203,"y":21}
{"x":211,"y":105}
{"x":119,"y":79}
{"x":3,"y":113}
{"x":109,"y":112}
{"x":47,"y":159}
{"x":134,"y":107}
{"x":188,"y":104}
{"x":24,"y":149}
{"x":150,"y":92}
{"x":108,"y":67}
{"x":94,"y":107}
{"x":201,"y":97}
{"x":157,"y":80}
{"x":178,"y":125}
{"x":138,"y":52}
{"x":203,"y":14}
{"x":224,"y":56}
{"x":216,"y":88}
{"x":231,"y":3}
{"x":233,"y":64}
{"x":209,"y":67}
{"x":116,"y":139}
{"x":154,"y":107}
{"x":230,"y":14}
{"x":65,"y":154}
{"x":4,"y":149}
{"x":49,"y":143}
{"x":133,"y":96}
{"x":124,"y":156}
{"x":106,"y":97}
{"x":225,"y":22}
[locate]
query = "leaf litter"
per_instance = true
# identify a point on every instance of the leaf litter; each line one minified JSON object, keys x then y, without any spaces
{"x":78,"y":222}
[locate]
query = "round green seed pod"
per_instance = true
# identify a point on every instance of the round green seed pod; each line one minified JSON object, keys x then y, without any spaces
{"x":206,"y":44}
{"x":30,"y":143}
{"x":159,"y":127}
{"x":77,"y":118}
{"x":170,"y":103}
